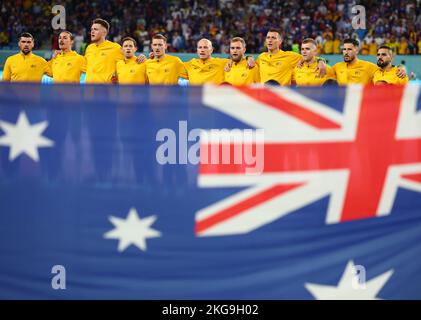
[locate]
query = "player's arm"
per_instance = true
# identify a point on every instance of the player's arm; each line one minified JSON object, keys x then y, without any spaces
{"x":83,"y":64}
{"x":256,"y":74}
{"x":7,"y":74}
{"x":184,"y":73}
{"x":293,"y":82}
{"x":48,"y":69}
{"x":330,"y":73}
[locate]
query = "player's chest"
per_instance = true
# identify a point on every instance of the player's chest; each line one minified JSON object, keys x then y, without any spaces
{"x":274,"y":63}
{"x":129,"y":70}
{"x":206,"y":68}
{"x":100,"y":56}
{"x":65,"y":64}
{"x":26,"y":66}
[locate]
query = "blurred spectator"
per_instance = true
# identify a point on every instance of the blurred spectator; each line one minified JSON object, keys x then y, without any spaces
{"x":393,"y":45}
{"x":186,"y":21}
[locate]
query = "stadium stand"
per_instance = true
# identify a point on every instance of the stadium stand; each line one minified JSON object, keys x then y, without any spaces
{"x":395,"y":23}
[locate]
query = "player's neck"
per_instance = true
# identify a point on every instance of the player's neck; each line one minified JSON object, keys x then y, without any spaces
{"x":102,"y":40}
{"x":161,"y":57}
{"x":127,"y":59}
{"x":310,"y":62}
{"x":273,"y":51}
{"x":26,"y":54}
{"x":350,"y":63}
{"x":204,"y":60}
{"x":66,"y":50}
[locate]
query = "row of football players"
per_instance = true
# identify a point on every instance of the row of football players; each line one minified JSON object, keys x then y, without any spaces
{"x":108,"y":62}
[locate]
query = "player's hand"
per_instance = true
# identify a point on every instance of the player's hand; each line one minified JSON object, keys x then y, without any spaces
{"x":401,"y":72}
{"x":321,"y":69}
{"x":55,"y":53}
{"x":151,"y":55}
{"x":250,"y":62}
{"x":141,"y":58}
{"x":227,"y":67}
{"x":114,"y":78}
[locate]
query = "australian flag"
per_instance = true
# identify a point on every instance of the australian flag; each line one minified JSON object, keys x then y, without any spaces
{"x":124,"y":192}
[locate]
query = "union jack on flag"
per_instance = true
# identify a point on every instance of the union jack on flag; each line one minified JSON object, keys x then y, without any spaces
{"x":359,"y":157}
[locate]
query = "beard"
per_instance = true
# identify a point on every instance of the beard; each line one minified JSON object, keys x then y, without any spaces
{"x":349,"y":59}
{"x":382,"y":64}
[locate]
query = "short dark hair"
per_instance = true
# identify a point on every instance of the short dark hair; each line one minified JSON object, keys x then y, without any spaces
{"x":238,"y":39}
{"x":354,"y":42}
{"x":278,"y":31}
{"x":68,"y":32}
{"x":385,"y":47}
{"x":103,"y":23}
{"x":159,"y":37}
{"x":309,"y":40}
{"x":129,"y":39}
{"x":26,"y":35}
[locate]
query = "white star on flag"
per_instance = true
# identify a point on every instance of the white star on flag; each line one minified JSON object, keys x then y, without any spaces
{"x":132,"y":230}
{"x":349,"y":287}
{"x":23,"y":137}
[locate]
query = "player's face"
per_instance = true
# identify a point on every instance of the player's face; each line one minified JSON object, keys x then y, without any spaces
{"x":237,"y":51}
{"x":383,"y":58}
{"x":308,"y":51}
{"x":273,"y":41}
{"x":158,"y":47}
{"x":129,"y":49}
{"x":64,"y":41}
{"x":349,"y":52}
{"x":97,"y":32}
{"x":204,"y":49}
{"x":26,"y":45}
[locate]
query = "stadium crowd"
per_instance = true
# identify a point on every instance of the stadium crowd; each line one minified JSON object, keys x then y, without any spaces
{"x":395,"y":23}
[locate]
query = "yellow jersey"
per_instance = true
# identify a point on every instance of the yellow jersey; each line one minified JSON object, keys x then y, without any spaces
{"x":389,"y":76}
{"x":240,"y":74}
{"x":131,"y":72}
{"x":29,"y":68}
{"x":358,"y":72}
{"x":307,"y":76}
{"x":67,"y":67}
{"x":101,"y":61}
{"x":209,"y":71}
{"x":166,"y":70}
{"x":278,"y":66}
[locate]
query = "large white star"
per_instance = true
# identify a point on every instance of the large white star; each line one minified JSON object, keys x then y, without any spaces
{"x":347,"y":288}
{"x":23,"y":137}
{"x":132,"y":230}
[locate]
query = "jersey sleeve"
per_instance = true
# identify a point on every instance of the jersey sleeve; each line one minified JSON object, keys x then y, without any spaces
{"x":7,"y":74}
{"x":184,"y":70}
{"x":48,"y":68}
{"x":294,"y":58}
